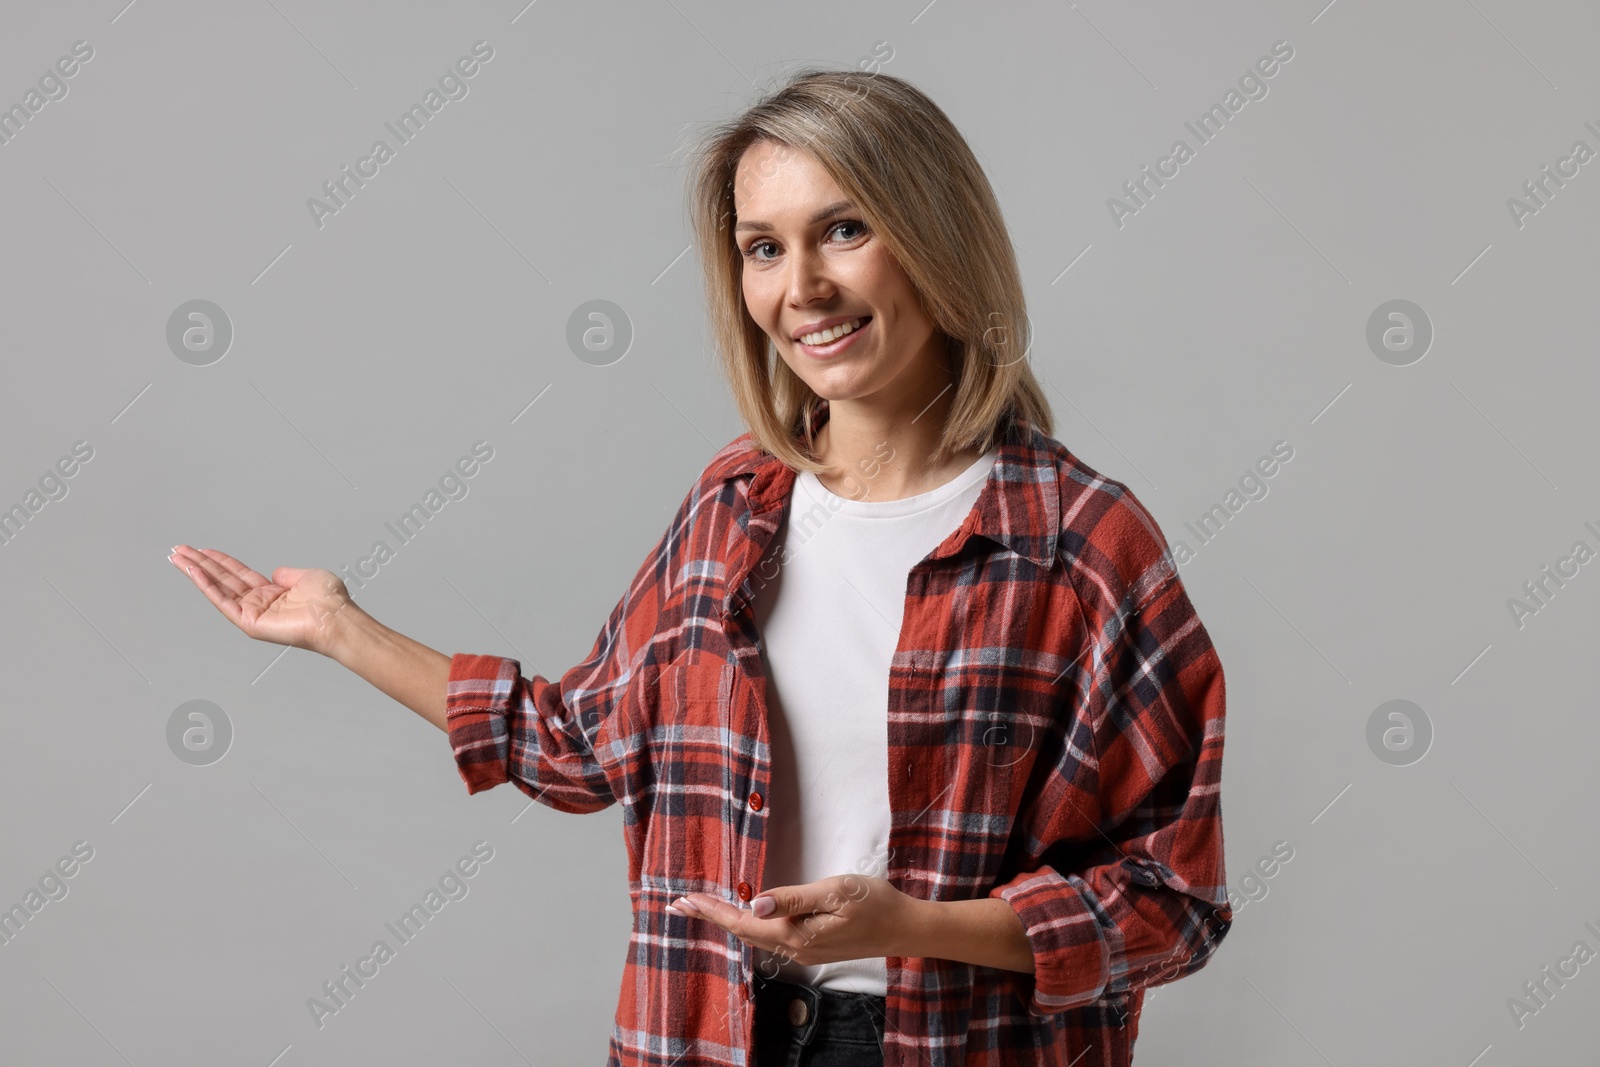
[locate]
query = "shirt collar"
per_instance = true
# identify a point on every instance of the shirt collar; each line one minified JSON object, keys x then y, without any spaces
{"x":1019,"y":506}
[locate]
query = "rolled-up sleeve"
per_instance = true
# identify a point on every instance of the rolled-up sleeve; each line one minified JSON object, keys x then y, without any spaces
{"x":567,"y":743}
{"x":1141,"y":898}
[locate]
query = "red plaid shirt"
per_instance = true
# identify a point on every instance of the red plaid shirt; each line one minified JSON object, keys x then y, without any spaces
{"x":1055,"y":730}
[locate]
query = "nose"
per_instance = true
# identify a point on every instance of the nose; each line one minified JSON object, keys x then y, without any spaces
{"x":808,"y":278}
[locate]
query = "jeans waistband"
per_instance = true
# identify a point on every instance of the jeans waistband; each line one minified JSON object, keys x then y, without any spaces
{"x":815,"y":1012}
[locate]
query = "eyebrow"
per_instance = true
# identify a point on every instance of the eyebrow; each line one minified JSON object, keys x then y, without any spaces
{"x":822,"y":216}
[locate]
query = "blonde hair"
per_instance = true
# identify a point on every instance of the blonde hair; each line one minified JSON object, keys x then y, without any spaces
{"x":918,"y":186}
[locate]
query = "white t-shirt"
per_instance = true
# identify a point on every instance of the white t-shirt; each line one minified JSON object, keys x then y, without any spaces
{"x":829,"y":619}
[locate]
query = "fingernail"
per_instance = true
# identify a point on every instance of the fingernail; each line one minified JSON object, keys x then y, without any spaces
{"x":685,"y":905}
{"x":763,"y":906}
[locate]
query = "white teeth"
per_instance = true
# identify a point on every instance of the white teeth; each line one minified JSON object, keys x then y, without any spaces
{"x":833,"y":333}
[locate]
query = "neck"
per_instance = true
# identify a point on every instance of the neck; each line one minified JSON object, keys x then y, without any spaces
{"x":884,"y":452}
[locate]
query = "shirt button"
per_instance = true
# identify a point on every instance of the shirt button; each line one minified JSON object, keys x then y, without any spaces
{"x":755,"y":801}
{"x":799,"y":1011}
{"x":744,"y":891}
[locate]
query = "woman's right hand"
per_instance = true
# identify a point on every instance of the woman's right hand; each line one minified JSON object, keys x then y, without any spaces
{"x":295,"y":607}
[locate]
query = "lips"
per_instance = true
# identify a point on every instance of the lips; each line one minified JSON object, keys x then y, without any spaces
{"x":820,"y":333}
{"x":838,"y":343}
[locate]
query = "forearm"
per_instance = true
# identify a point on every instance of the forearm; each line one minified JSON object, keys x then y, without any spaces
{"x":410,"y":672}
{"x":984,"y":932}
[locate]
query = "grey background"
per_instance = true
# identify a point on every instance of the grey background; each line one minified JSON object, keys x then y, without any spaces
{"x":1229,"y":313}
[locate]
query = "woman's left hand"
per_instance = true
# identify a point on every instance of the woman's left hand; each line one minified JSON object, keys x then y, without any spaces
{"x":846,"y":917}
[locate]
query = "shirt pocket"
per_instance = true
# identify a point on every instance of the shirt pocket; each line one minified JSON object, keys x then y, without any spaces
{"x":1007,"y":744}
{"x":685,"y":846}
{"x":1006,"y":727}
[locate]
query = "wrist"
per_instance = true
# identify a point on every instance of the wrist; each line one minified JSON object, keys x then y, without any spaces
{"x":917,"y":932}
{"x":985,"y":932}
{"x":346,"y":632}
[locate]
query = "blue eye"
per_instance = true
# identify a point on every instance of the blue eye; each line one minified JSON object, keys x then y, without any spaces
{"x":749,"y":251}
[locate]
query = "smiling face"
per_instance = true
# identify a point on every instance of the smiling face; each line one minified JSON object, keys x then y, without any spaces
{"x":839,"y":310}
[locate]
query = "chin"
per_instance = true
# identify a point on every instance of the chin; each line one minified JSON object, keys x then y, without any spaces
{"x":832,"y":388}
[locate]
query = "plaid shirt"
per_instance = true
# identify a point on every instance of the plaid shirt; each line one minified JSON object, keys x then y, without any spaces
{"x":1055,"y":727}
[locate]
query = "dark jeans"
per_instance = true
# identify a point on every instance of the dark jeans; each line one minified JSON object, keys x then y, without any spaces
{"x":812,"y":1026}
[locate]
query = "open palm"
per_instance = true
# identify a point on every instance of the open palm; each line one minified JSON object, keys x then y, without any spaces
{"x":295,"y":607}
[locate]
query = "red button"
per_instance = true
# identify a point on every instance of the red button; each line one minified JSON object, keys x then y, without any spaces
{"x":755,"y":801}
{"x":745,"y":892}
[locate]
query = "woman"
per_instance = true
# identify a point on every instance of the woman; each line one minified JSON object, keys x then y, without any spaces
{"x":918,"y":733}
